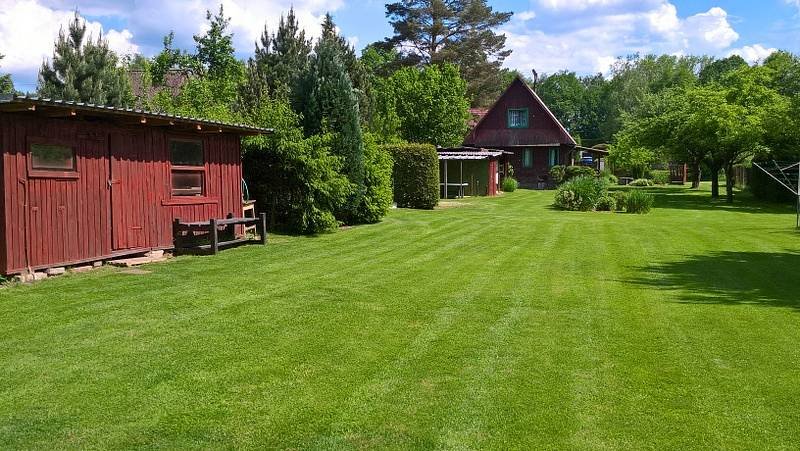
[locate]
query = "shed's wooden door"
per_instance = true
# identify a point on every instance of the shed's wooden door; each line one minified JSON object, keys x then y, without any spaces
{"x":129,"y":191}
{"x":68,"y":209}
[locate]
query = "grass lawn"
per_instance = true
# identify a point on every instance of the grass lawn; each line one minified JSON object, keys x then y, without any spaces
{"x":494,"y":323}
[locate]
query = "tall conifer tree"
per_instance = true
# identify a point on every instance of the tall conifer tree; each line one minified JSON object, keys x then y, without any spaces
{"x":84,"y":70}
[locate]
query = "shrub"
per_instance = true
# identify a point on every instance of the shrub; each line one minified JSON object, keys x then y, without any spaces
{"x":510,"y":184}
{"x":639,"y":202}
{"x":620,"y":199}
{"x":606,"y":202}
{"x":571,"y":172}
{"x":297,"y":182}
{"x":415,"y":175}
{"x":609,"y":177}
{"x":660,"y":176}
{"x":557,"y":173}
{"x":642,"y":182}
{"x":377,"y":198}
{"x":579,"y":194}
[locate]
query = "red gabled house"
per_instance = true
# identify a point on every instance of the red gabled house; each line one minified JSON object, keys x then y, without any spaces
{"x":521,"y":123}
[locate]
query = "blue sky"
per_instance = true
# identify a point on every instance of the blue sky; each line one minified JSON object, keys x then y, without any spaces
{"x":549,"y":35}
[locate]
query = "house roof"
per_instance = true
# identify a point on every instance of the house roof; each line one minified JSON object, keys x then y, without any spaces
{"x":492,"y":135}
{"x":69,"y":108}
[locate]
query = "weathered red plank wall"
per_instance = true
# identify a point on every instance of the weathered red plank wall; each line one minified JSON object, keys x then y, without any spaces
{"x":120,"y":201}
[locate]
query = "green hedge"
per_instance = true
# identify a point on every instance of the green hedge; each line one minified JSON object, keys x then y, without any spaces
{"x":416,"y":175}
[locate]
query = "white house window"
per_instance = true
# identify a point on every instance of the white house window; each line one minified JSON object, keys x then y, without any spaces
{"x":517,"y":118}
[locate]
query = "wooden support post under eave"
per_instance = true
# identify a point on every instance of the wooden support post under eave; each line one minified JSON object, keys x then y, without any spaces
{"x":445,"y":178}
{"x":460,"y":177}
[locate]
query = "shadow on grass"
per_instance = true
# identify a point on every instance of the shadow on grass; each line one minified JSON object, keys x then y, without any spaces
{"x":689,"y":199}
{"x":729,"y":278}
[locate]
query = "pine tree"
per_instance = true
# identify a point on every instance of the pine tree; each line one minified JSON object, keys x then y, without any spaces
{"x":331,"y":106}
{"x":460,"y":32}
{"x":279,"y":62}
{"x":359,"y":76}
{"x":84,"y":70}
{"x":6,"y":85}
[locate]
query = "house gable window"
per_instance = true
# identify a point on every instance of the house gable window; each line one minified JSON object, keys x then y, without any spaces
{"x":527,"y":158}
{"x":188,"y":171}
{"x":517,"y":118}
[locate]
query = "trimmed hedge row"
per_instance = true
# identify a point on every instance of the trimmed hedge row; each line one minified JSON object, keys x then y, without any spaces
{"x":416,"y":175}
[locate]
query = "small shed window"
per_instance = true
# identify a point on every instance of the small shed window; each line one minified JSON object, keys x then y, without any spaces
{"x":518,"y":118}
{"x":50,"y":157}
{"x":188,"y":167}
{"x":552,"y":157}
{"x":527,"y":158}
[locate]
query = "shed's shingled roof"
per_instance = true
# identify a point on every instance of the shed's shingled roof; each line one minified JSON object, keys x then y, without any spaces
{"x":12,"y":102}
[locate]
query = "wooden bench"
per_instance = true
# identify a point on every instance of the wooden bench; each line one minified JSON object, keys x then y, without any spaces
{"x":206,"y":237}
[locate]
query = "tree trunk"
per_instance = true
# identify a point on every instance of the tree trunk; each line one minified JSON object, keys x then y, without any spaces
{"x":695,"y":175}
{"x":715,"y":182}
{"x":729,"y":182}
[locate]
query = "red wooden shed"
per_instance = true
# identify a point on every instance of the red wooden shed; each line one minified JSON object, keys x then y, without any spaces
{"x":85,"y":182}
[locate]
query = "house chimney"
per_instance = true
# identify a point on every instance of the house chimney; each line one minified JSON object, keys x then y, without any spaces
{"x":535,"y":79}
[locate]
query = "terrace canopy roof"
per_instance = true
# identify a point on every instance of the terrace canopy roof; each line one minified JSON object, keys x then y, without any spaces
{"x":469,"y":153}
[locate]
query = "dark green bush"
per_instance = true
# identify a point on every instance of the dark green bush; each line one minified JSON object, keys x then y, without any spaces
{"x":641,"y":182}
{"x":609,"y":177}
{"x":621,"y":199}
{"x":639,"y":202}
{"x":660,"y":176}
{"x":579,"y":194}
{"x":571,"y":172}
{"x":377,"y":198}
{"x":557,"y":173}
{"x":766,"y":188}
{"x":606,"y":202}
{"x":296,"y":181}
{"x":415,"y":175}
{"x":510,"y":184}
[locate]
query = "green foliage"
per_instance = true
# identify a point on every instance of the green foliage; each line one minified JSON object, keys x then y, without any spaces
{"x":84,"y":70}
{"x":297,"y":182}
{"x":557,"y":173}
{"x":378,"y":167}
{"x":620,"y":199}
{"x":717,"y":69}
{"x":215,"y":52}
{"x":330,"y":106}
{"x":660,"y":176}
{"x":608,"y":177}
{"x":563,"y":93}
{"x":279,"y":62}
{"x":170,"y":58}
{"x":639,"y":202}
{"x":606,"y":202}
{"x":579,"y":194}
{"x":571,"y":172}
{"x":6,"y":85}
{"x":415,"y":175}
{"x":459,"y":32}
{"x":509,"y":185}
{"x":427,"y":105}
{"x":642,"y":182}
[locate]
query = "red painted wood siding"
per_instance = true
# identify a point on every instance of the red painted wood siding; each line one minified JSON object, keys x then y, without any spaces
{"x":52,"y":221}
{"x":493,"y":131}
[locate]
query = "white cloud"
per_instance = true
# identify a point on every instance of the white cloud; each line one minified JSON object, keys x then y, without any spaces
{"x":528,"y":15}
{"x":753,"y":53}
{"x":587,"y":35}
{"x":28,"y":30}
